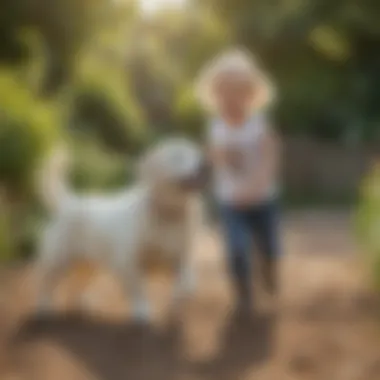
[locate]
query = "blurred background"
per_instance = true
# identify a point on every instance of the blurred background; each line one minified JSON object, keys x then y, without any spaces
{"x":111,"y":76}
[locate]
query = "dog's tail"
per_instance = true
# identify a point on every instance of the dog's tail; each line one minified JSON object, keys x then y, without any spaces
{"x":52,"y":185}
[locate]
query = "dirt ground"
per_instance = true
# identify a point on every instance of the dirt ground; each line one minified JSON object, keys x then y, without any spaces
{"x":325,"y":326}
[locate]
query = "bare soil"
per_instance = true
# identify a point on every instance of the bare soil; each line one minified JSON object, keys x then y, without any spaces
{"x":325,"y":325}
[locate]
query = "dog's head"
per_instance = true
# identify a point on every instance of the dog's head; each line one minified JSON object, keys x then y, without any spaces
{"x":176,"y":165}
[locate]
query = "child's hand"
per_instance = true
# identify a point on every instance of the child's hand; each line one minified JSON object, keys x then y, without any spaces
{"x":234,"y":159}
{"x":245,"y":197}
{"x":242,"y":198}
{"x":227,"y":157}
{"x":248,"y":196}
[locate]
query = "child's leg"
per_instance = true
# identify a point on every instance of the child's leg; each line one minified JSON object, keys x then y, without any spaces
{"x":237,"y":239}
{"x":266,"y":232}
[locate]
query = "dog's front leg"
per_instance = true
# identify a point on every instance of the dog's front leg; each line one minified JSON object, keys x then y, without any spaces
{"x":133,"y":284}
{"x":186,"y":277}
{"x":185,"y":281}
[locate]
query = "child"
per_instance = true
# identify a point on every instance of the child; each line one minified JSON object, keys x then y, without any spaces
{"x":244,"y":155}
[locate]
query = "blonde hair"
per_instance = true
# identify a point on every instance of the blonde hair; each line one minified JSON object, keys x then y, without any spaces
{"x":233,"y":61}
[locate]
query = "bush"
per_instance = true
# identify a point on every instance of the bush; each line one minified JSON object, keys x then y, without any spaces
{"x":5,"y":240}
{"x":28,"y":127}
{"x":95,"y":168}
{"x":368,"y":222}
{"x":104,"y":107}
{"x":188,"y":114}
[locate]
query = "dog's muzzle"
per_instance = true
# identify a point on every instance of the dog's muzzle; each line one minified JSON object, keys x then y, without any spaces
{"x":198,"y":180}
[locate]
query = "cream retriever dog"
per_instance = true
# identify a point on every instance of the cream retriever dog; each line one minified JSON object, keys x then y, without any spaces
{"x":153,"y":222}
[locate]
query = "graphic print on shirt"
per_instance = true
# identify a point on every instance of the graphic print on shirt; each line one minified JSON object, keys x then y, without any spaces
{"x":235,"y":161}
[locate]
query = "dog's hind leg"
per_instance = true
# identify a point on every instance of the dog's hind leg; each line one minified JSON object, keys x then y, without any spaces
{"x":47,"y":279}
{"x":49,"y":269}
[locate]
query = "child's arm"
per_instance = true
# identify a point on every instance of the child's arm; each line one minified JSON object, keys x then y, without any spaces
{"x":224,"y":157}
{"x":216,"y":156}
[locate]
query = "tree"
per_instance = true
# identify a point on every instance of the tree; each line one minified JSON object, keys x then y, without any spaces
{"x":306,"y":44}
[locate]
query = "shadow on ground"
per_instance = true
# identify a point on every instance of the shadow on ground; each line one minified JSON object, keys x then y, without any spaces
{"x":129,"y":351}
{"x":246,"y":342}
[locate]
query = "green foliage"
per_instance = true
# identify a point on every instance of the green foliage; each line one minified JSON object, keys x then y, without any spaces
{"x":101,"y":98}
{"x":206,"y":36}
{"x":103,"y":108}
{"x":5,"y":236}
{"x":97,"y":169}
{"x":63,"y":25}
{"x":305,"y":44}
{"x":322,"y":53}
{"x":368,"y":222}
{"x":188,"y":114}
{"x":164,"y":63}
{"x":27,"y":129}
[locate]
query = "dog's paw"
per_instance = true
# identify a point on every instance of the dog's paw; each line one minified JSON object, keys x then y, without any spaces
{"x":186,"y":287}
{"x":180,"y":295}
{"x":141,"y":312}
{"x":190,"y":284}
{"x":42,"y":312}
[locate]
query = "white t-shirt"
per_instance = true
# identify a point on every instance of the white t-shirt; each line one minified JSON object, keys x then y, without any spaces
{"x":245,"y":140}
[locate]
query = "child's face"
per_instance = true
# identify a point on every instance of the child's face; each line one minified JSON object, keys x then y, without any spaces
{"x":234,"y":95}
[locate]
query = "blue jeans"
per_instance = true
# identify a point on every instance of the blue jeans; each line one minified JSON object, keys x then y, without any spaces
{"x":242,"y":227}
